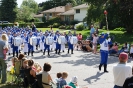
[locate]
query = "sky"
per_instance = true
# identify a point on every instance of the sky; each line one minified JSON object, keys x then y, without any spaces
{"x":38,"y":1}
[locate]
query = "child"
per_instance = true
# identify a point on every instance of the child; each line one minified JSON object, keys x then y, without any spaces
{"x":95,"y":39}
{"x":63,"y":79}
{"x":73,"y":82}
{"x":5,"y":48}
{"x":57,"y":80}
{"x":37,"y":67}
{"x":131,"y":51}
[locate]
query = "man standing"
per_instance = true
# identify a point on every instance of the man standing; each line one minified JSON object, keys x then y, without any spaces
{"x":3,"y":65}
{"x":121,"y":71}
{"x":92,"y":31}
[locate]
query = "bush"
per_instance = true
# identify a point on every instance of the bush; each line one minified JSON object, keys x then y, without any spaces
{"x":74,"y":22}
{"x":68,"y":27}
{"x":120,"y":29}
{"x":53,"y":20}
{"x":55,"y":25}
{"x":62,"y":27}
{"x":80,"y":27}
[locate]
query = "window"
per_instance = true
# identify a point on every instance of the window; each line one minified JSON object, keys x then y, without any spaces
{"x":67,"y":18}
{"x":50,"y":14}
{"x":45,"y":14}
{"x":77,"y":10}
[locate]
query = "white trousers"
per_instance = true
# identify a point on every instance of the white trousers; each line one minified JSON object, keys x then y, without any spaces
{"x":10,"y":48}
{"x":53,"y":46}
{"x":41,"y":45}
{"x":25,"y":48}
{"x":62,"y":47}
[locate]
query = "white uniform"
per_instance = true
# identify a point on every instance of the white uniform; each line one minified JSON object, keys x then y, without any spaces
{"x":41,"y":42}
{"x":25,"y":42}
{"x":9,"y":45}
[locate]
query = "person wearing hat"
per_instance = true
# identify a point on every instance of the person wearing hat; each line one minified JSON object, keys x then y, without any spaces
{"x":73,"y":82}
{"x":121,"y":71}
{"x":104,"y":48}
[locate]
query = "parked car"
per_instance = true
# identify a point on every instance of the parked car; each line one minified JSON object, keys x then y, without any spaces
{"x":5,"y":22}
{"x":0,"y":22}
{"x":81,"y":23}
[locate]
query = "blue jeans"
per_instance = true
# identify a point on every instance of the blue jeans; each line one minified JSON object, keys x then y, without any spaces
{"x":117,"y":86}
{"x":112,"y":51}
{"x":3,"y":67}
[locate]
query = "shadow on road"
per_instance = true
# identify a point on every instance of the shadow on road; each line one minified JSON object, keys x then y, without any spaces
{"x":95,"y":77}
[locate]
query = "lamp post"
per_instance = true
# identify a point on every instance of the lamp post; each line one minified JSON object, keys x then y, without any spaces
{"x":106,"y":13}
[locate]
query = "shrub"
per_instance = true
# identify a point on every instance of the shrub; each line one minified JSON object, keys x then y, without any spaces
{"x":53,"y":20}
{"x":74,"y":22}
{"x":62,"y":27}
{"x":80,"y":27}
{"x":68,"y":27}
{"x":56,"y":25}
{"x":120,"y":29}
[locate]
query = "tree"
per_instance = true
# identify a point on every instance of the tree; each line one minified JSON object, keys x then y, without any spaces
{"x":120,"y":13}
{"x":8,"y":12}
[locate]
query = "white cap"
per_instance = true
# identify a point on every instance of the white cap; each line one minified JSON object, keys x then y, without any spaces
{"x":74,"y":79}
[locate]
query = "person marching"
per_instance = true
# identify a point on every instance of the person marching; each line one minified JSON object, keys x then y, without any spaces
{"x":47,"y":47}
{"x":15,"y":48}
{"x":104,"y":43}
{"x":25,"y":42}
{"x":9,"y":43}
{"x":30,"y":46}
{"x":63,"y":45}
{"x":41,"y":43}
{"x":58,"y":46}
{"x":70,"y":46}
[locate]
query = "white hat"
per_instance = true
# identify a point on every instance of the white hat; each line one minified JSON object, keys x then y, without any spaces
{"x":74,"y":79}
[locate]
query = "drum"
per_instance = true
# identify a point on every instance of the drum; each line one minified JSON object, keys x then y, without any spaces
{"x":74,"y":40}
{"x":33,"y":41}
{"x":62,"y":40}
{"x":17,"y":41}
{"x":49,"y":40}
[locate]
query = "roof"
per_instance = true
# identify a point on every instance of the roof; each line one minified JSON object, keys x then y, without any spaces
{"x":39,"y":15}
{"x":81,"y":6}
{"x":56,"y":9}
{"x":69,"y":12}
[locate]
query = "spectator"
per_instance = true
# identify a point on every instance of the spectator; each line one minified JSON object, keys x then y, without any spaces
{"x":95,"y":39}
{"x":5,"y":49}
{"x":59,"y":75}
{"x":97,"y":31}
{"x":2,"y":63}
{"x":128,"y":82}
{"x":92,"y":31}
{"x":63,"y":79}
{"x":131,"y":52}
{"x":114,"y":49}
{"x":38,"y":68}
{"x":46,"y":78}
{"x":121,"y":71}
{"x":73,"y":82}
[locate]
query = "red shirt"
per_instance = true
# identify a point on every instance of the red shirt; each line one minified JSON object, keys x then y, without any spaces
{"x":79,"y":37}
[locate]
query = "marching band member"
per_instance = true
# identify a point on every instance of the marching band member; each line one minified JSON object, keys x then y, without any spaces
{"x":9,"y":43}
{"x":41,"y":43}
{"x":30,"y":46}
{"x":52,"y":47}
{"x":70,"y":46}
{"x":58,"y":46}
{"x":25,"y":43}
{"x":104,"y":47}
{"x":46,"y":46}
{"x":15,"y":48}
{"x":63,"y":45}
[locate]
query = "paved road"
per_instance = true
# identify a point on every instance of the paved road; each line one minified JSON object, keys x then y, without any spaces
{"x":81,"y":64}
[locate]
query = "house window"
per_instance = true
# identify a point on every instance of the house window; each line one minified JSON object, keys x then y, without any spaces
{"x":45,"y":14}
{"x":67,"y":18}
{"x":50,"y":14}
{"x":77,"y":10}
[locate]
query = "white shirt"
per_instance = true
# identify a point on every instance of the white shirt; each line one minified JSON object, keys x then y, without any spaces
{"x":121,"y":72}
{"x":131,"y":50}
{"x":104,"y":45}
{"x":6,"y":44}
{"x":95,"y":39}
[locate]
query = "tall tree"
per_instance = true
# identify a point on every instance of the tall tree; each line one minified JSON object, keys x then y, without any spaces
{"x":8,"y":12}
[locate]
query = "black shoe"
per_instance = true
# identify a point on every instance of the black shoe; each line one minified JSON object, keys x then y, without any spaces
{"x":71,"y":51}
{"x":55,"y":51}
{"x":68,"y":51}
{"x":100,"y":67}
{"x":63,"y":51}
{"x":105,"y":68}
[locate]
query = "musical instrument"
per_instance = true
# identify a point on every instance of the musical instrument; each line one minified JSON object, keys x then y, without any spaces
{"x":73,"y":40}
{"x":33,"y":41}
{"x":49,"y":40}
{"x":17,"y":41}
{"x":61,"y":40}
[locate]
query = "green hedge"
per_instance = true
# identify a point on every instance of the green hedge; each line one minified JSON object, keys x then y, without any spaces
{"x":38,"y":25}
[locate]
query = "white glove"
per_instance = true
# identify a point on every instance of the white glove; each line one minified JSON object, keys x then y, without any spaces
{"x":108,"y":32}
{"x":109,"y":39}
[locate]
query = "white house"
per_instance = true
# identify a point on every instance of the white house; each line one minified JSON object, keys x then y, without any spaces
{"x":80,"y":12}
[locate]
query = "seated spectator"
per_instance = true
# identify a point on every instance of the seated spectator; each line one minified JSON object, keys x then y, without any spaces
{"x":73,"y":82}
{"x":131,"y":52}
{"x":31,"y":74}
{"x":59,"y":75}
{"x":63,"y":79}
{"x":128,"y":82}
{"x":125,"y":48}
{"x":86,"y":46}
{"x":46,"y":78}
{"x":114,"y":49}
{"x":121,"y":71}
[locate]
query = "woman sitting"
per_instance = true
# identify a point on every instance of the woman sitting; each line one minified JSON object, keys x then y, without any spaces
{"x":125,"y":48}
{"x":86,"y":46}
{"x":114,"y":49}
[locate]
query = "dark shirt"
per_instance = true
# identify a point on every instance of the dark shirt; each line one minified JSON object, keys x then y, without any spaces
{"x":128,"y":83}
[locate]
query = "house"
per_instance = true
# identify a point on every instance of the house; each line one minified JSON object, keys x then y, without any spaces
{"x":39,"y":16}
{"x":80,"y":12}
{"x":66,"y":13}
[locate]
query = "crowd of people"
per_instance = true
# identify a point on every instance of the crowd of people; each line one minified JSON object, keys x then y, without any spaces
{"x":16,"y":40}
